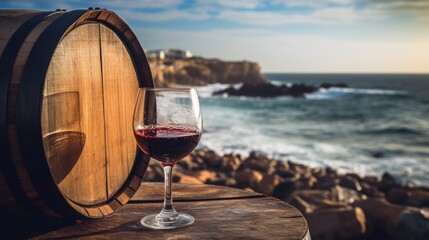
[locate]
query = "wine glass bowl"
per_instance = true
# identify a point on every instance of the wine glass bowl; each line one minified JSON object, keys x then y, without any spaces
{"x":167,"y":126}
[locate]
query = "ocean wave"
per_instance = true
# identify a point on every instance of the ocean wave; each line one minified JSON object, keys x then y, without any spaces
{"x":280,"y":83}
{"x":393,"y":130}
{"x":339,"y":92}
{"x":322,"y":155}
{"x":208,"y":90}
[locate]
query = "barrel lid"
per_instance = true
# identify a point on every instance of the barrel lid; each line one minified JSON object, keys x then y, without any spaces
{"x":86,"y":105}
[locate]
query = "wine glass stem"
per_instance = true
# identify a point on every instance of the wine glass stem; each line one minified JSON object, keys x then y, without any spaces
{"x":168,"y":198}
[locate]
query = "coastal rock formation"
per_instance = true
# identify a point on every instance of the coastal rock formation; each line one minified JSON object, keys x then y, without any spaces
{"x":271,"y":90}
{"x":336,"y":206}
{"x":201,"y":71}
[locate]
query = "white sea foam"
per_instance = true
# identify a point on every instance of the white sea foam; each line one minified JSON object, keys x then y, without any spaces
{"x":314,"y":154}
{"x":208,"y":90}
{"x":338,"y":92}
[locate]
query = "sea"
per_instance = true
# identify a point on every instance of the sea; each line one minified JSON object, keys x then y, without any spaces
{"x":379,"y":124}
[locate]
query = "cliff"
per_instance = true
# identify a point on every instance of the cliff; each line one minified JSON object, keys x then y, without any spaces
{"x":201,"y":71}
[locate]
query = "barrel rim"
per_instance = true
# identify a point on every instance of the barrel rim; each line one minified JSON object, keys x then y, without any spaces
{"x":7,"y":62}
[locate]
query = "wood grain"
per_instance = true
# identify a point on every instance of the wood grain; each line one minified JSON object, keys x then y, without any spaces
{"x":120,"y":87}
{"x":154,"y":192}
{"x":78,"y":55}
{"x":248,"y":218}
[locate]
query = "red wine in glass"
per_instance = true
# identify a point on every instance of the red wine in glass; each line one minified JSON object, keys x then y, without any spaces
{"x":167,"y":144}
{"x":167,"y":125}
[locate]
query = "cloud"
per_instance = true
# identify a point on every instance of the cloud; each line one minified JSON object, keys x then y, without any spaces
{"x":251,"y":12}
{"x":339,"y":15}
{"x":409,"y":6}
{"x":257,"y":13}
{"x":263,"y":18}
{"x":297,"y":53}
{"x":141,"y":4}
{"x":312,"y":3}
{"x":416,"y":8}
{"x":243,"y":4}
{"x":168,"y":15}
{"x":47,"y":5}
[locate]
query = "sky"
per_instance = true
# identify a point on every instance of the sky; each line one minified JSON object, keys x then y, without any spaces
{"x":309,"y":36}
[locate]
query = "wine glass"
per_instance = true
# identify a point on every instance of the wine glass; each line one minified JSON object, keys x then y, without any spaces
{"x":167,"y":126}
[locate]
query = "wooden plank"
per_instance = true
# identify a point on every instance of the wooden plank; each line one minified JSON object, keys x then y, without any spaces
{"x":74,"y":75}
{"x":120,"y":86}
{"x":254,"y":218}
{"x":154,"y":192}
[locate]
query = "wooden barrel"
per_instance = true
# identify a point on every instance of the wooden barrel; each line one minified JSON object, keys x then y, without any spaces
{"x":68,"y":81}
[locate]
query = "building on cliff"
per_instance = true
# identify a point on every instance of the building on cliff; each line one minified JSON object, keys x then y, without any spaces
{"x":168,"y":54}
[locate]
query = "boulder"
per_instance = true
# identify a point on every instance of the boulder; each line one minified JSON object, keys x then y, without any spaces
{"x":229,"y":182}
{"x":370,"y":180}
{"x":204,"y":175}
{"x":314,"y":197}
{"x":267,"y":89}
{"x":350,"y":182}
{"x":252,"y":90}
{"x":248,"y":178}
{"x":346,"y":195}
{"x":210,"y":158}
{"x":331,"y":172}
{"x":319,"y":173}
{"x":183,"y":178}
{"x":337,"y":223}
{"x":268,"y":183}
{"x":303,"y":206}
{"x":151,"y":176}
{"x":282,"y":165}
{"x":326,"y":203}
{"x":355,"y":176}
{"x":286,"y":173}
{"x":186,"y":163}
{"x":284,"y":190}
{"x":230,"y":163}
{"x":381,"y":215}
{"x":298,"y":168}
{"x":259,"y":162}
{"x":154,"y":173}
{"x":299,"y":90}
{"x":412,"y":223}
{"x":314,"y":200}
{"x":198,"y":163}
{"x":409,"y":196}
{"x":306,"y":182}
{"x":326,"y":184}
{"x":387,"y":182}
{"x":371,"y":191}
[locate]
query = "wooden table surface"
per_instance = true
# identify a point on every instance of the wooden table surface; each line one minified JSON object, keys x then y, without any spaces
{"x":220,"y":213}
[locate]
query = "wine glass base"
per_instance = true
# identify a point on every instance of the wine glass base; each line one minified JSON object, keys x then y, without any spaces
{"x":150,"y":221}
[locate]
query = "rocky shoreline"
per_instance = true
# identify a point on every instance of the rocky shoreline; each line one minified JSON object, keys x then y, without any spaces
{"x":269,"y":90}
{"x":336,"y":206}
